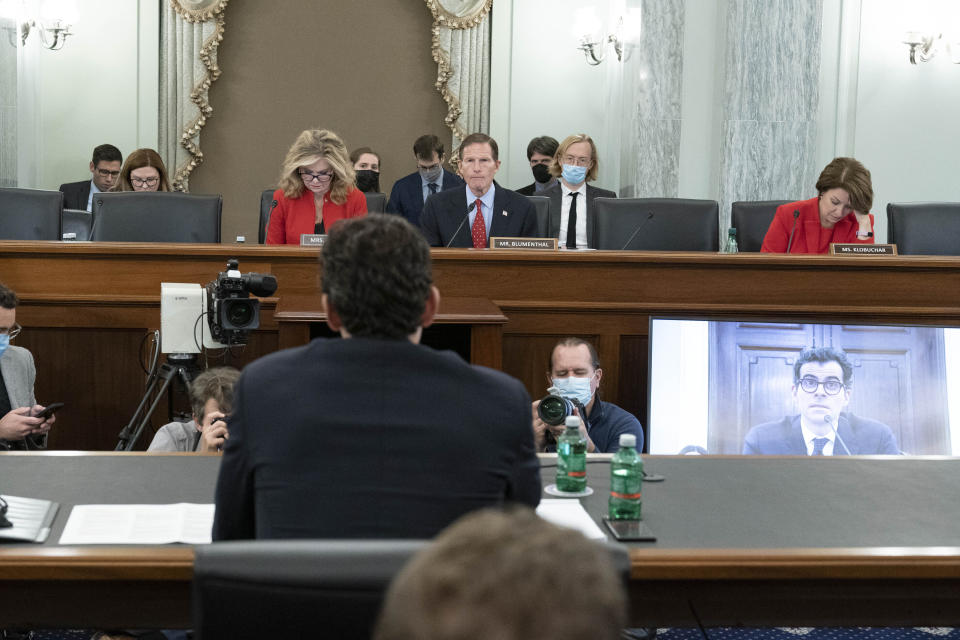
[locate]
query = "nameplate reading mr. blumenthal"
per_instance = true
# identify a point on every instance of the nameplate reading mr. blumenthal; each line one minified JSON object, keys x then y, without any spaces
{"x":854,"y":249}
{"x":312,"y":239}
{"x":524,"y":243}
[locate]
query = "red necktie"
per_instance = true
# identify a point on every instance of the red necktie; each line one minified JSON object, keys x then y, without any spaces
{"x":479,"y":230}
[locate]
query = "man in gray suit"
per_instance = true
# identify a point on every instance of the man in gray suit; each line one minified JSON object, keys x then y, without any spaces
{"x":571,"y":200}
{"x":18,"y":428}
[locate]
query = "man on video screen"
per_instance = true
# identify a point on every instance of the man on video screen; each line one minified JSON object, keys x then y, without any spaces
{"x":822,"y":384}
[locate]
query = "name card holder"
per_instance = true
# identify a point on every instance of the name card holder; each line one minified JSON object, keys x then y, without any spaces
{"x":532,"y":244}
{"x":856,"y":249}
{"x":313,"y":239}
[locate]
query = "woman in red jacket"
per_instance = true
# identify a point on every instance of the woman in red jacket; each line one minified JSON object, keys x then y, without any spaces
{"x":838,"y":214}
{"x":316,"y":188}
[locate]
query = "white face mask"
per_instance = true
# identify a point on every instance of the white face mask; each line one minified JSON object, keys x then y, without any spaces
{"x":574,"y":388}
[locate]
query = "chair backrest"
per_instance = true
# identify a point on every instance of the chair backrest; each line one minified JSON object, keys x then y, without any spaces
{"x":156,"y":216}
{"x":266,"y":206}
{"x":656,"y":224}
{"x":376,"y":202}
{"x":30,"y":214}
{"x":752,"y":220}
{"x":76,"y":222}
{"x":541,"y":204}
{"x":294,"y":588}
{"x":924,"y":228}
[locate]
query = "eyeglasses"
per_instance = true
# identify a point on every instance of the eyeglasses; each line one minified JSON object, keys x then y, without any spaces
{"x":13,"y":331}
{"x":831,"y":386}
{"x":103,"y":173}
{"x":4,"y":523}
{"x":580,"y":162}
{"x":323,"y":176}
{"x":141,"y":182}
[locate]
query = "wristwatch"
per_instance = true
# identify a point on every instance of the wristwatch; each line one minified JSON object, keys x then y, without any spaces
{"x":864,"y":234}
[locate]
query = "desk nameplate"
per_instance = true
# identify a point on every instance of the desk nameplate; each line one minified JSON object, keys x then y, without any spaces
{"x":856,"y":249}
{"x":525,"y":244}
{"x":313,"y":239}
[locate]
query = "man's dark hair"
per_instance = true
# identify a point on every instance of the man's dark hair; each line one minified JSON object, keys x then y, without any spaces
{"x":8,"y":299}
{"x":377,"y":275}
{"x":544,"y":145}
{"x":575,"y":342}
{"x":106,"y":153}
{"x":480,"y":138}
{"x":424,"y":146}
{"x":822,"y":355}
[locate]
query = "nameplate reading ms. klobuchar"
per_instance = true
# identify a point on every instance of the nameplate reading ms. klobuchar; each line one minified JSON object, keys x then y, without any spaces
{"x":549,"y":244}
{"x":854,"y":249}
{"x":312,"y":239}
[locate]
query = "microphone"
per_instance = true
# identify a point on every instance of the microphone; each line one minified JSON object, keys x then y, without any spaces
{"x":462,"y":222}
{"x":635,"y":231}
{"x":829,"y":420}
{"x":796,"y":214}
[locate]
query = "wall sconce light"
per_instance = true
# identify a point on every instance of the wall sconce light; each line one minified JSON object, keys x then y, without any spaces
{"x":924,"y":46}
{"x":52,"y":26}
{"x":589,"y":32}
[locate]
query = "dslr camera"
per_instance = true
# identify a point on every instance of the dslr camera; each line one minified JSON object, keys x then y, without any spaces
{"x":231,"y":313}
{"x":554,"y":409}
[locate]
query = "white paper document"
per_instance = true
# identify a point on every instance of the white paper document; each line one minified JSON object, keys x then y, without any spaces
{"x":139,"y":524}
{"x":566,"y":512}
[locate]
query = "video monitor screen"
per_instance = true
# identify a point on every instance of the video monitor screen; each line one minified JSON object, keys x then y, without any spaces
{"x":779,"y":388}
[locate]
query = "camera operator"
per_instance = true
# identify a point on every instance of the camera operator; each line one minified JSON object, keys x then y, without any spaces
{"x":574,"y":369}
{"x":211,"y":398}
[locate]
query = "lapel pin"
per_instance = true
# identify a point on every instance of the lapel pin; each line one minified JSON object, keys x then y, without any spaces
{"x":505,"y":212}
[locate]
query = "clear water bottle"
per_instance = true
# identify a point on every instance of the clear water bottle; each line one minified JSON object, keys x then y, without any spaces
{"x":572,"y":457}
{"x":626,"y":480}
{"x":731,"y":246}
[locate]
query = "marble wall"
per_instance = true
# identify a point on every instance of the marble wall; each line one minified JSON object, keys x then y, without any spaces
{"x":8,"y":105}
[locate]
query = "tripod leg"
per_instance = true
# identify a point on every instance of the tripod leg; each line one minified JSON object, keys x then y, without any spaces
{"x":167,"y":373}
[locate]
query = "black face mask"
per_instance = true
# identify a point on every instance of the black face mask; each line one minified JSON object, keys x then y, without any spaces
{"x":368,"y":180}
{"x":541,"y":173}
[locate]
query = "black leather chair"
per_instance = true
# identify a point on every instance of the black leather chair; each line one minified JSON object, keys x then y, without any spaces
{"x":924,"y":228}
{"x":541,"y":204}
{"x":294,"y":588}
{"x":30,"y":214}
{"x":266,"y":206}
{"x":376,"y":202}
{"x":751,"y":220}
{"x":656,"y":224}
{"x":156,"y":216}
{"x":76,"y":224}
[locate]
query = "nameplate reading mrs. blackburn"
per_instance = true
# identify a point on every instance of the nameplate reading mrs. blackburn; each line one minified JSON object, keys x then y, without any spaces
{"x":854,"y":249}
{"x":549,"y":244}
{"x":313,"y":239}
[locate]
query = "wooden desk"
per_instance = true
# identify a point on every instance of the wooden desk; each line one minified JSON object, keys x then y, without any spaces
{"x":86,"y":306}
{"x":741,"y":540}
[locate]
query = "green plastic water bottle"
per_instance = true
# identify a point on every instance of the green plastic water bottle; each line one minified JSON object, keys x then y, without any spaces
{"x":572,"y":457}
{"x":731,"y":246}
{"x":626,"y":480}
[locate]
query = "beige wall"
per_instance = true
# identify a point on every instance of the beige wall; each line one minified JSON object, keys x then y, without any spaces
{"x":361,"y":68}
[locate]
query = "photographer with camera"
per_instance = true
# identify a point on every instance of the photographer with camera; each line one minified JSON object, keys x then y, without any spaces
{"x":211,"y":398}
{"x":574,"y":373}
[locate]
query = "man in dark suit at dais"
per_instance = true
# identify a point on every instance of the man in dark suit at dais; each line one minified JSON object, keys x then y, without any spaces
{"x":105,"y":171}
{"x":372,"y":435}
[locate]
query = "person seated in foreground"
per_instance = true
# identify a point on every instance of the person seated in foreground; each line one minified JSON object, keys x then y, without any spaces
{"x":366,"y":164}
{"x":486,"y":576}
{"x":19,"y":429}
{"x":316,"y":188}
{"x":211,"y":398}
{"x":839,"y":213}
{"x":105,"y":170}
{"x":574,"y":368}
{"x":469,"y":216}
{"x":372,"y":435}
{"x":540,"y":152}
{"x":143,"y":170}
{"x":822,"y":386}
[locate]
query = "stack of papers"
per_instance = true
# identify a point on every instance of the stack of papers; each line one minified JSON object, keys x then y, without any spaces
{"x":139,"y":524}
{"x":570,"y":514}
{"x":31,"y":519}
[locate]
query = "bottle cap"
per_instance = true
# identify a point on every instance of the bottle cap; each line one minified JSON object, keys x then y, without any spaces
{"x":628,"y":440}
{"x":572,"y":421}
{"x":733,"y":231}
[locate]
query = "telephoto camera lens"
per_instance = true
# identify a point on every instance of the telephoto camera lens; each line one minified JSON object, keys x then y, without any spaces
{"x":554,"y":409}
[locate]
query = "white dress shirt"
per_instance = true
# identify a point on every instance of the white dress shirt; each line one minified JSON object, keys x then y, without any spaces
{"x":565,"y":201}
{"x":808,"y":437}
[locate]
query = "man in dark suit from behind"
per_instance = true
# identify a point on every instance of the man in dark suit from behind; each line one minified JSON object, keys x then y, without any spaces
{"x":575,"y":164}
{"x":372,"y":435}
{"x":540,"y":152}
{"x":105,"y":168}
{"x":410,"y":192}
{"x":470,"y":216}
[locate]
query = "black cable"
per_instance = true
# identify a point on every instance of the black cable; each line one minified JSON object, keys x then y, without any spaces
{"x":693,"y":610}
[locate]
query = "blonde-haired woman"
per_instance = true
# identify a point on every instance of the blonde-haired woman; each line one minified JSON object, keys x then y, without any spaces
{"x":316,"y":188}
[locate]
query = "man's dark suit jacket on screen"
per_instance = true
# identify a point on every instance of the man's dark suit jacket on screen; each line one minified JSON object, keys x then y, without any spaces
{"x":555,"y":193}
{"x":76,"y":195}
{"x":362,"y":438}
{"x":406,"y":197}
{"x":862,"y":436}
{"x":513,"y":217}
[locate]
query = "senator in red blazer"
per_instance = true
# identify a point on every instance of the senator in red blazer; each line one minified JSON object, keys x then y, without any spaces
{"x":837,"y":214}
{"x":293,"y":216}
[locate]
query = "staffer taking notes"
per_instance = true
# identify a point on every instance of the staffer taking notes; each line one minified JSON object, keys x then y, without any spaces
{"x":838,"y":214}
{"x":316,"y":188}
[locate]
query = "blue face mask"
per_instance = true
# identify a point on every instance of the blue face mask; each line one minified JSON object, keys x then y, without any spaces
{"x":574,"y":174}
{"x":574,"y":388}
{"x":4,"y":343}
